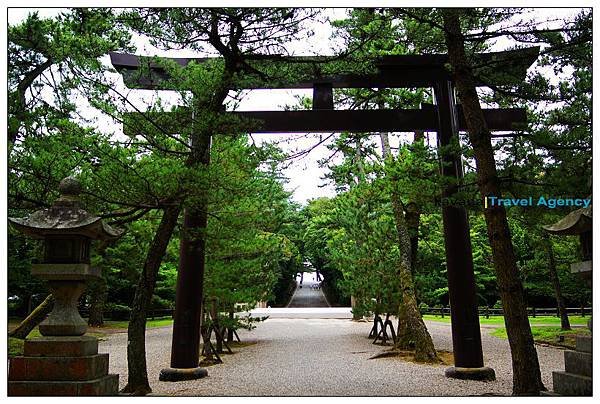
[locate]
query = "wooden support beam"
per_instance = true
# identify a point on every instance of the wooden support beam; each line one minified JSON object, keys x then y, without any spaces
{"x":341,"y":121}
{"x":405,"y":120}
{"x":397,"y":71}
{"x":322,"y":96}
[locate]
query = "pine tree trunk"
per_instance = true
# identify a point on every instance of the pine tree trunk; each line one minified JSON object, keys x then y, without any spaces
{"x":413,"y":216}
{"x":357,"y":299}
{"x":359,"y":162}
{"x":353,"y":304}
{"x":411,"y":328}
{"x":33,"y":319}
{"x":560,"y":302}
{"x":526,"y":370}
{"x":214,"y":314}
{"x":137,"y":376}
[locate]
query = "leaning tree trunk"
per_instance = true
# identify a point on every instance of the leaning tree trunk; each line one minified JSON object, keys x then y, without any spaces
{"x":413,"y":215}
{"x":560,"y":302}
{"x":411,"y":328}
{"x":37,"y":316}
{"x":413,"y":218}
{"x":356,"y":300}
{"x":137,"y":376}
{"x":526,"y":369}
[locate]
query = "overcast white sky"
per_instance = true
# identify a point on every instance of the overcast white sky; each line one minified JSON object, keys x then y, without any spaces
{"x":304,"y":173}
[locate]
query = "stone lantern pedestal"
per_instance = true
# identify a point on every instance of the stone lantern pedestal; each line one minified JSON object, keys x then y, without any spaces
{"x":61,"y":366}
{"x":64,"y":361}
{"x":576,"y":379}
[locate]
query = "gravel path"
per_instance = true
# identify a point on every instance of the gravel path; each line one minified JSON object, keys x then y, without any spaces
{"x":323,"y":357}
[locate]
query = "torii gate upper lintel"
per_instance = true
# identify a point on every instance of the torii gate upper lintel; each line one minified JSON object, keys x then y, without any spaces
{"x":445,"y":118}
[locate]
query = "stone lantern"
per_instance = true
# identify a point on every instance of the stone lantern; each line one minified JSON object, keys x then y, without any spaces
{"x":577,"y":223}
{"x":576,"y":380}
{"x":64,"y":361}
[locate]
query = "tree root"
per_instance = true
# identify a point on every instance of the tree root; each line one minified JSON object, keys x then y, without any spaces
{"x":209,"y":362}
{"x":136,"y":390}
{"x":412,"y":356}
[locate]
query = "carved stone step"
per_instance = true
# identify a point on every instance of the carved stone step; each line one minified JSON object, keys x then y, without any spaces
{"x":583,"y":344}
{"x":41,"y":368}
{"x":568,"y":384}
{"x":61,"y":346}
{"x":104,"y":386}
{"x":579,"y":363}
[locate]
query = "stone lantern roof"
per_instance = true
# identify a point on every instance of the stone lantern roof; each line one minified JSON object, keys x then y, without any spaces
{"x":65,"y":217}
{"x":577,"y":222}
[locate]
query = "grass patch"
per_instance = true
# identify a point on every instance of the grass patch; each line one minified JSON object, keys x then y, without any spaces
{"x":15,"y":347}
{"x":549,"y":335}
{"x":499,"y":320}
{"x":157,"y":322}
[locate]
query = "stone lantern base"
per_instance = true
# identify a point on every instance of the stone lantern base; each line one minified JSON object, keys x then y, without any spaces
{"x":61,"y":366}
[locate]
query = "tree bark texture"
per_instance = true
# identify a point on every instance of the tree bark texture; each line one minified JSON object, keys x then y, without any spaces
{"x":560,"y":302}
{"x":353,"y":304}
{"x":411,"y":328}
{"x":137,"y":375}
{"x":526,"y":371}
{"x":413,"y":213}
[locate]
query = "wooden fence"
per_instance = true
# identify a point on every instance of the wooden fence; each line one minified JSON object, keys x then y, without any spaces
{"x":487,"y":312}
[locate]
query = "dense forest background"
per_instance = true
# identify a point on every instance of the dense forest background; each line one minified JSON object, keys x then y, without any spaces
{"x":258,"y":238}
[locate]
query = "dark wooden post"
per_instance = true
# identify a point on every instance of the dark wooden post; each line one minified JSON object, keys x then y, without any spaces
{"x":322,"y":96}
{"x":230,"y":329}
{"x":214,"y":314}
{"x":188,"y":300}
{"x":466,"y":336}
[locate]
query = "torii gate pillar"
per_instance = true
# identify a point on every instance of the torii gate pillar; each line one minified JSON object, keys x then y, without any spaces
{"x":466,"y":335}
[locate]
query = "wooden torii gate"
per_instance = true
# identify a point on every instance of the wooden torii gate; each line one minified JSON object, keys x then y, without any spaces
{"x":445,"y":118}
